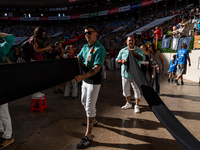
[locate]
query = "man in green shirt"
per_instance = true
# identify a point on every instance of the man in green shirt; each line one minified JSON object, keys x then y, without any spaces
{"x":5,"y":120}
{"x":92,"y":57}
{"x":127,"y":80}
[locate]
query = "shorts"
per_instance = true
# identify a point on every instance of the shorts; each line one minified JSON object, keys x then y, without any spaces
{"x":181,"y":68}
{"x":172,"y":73}
{"x":126,"y":86}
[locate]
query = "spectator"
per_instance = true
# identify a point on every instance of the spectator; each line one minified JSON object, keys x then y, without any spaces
{"x":174,"y":33}
{"x":181,"y":31}
{"x":5,"y":120}
{"x":183,"y":56}
{"x":156,"y":66}
{"x":37,"y":47}
{"x":198,"y":26}
{"x":70,"y":49}
{"x":57,"y":54}
{"x":157,"y":33}
{"x":144,"y":65}
{"x":172,"y":68}
{"x":92,"y":57}
{"x":127,"y":79}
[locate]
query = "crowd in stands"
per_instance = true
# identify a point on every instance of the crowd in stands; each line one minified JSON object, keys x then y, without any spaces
{"x":175,"y":27}
{"x":28,"y":31}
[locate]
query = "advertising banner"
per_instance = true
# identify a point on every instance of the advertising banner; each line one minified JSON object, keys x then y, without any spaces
{"x":113,"y":11}
{"x":138,"y":5}
{"x":14,"y":18}
{"x":156,"y":1}
{"x":147,"y":2}
{"x":29,"y":18}
{"x":94,"y":14}
{"x":102,"y":13}
{"x":44,"y":18}
{"x":53,"y":18}
{"x":75,"y":16}
{"x":84,"y":15}
{"x":125,"y":8}
{"x":64,"y":18}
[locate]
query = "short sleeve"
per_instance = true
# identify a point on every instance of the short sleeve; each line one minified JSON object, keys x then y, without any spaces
{"x":119,"y":56}
{"x":5,"y":46}
{"x":99,"y":57}
{"x":80,"y":55}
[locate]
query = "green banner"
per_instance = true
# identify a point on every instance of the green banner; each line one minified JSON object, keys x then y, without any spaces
{"x":94,"y":14}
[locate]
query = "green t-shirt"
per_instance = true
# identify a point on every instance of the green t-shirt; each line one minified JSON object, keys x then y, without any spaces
{"x":91,"y":56}
{"x":5,"y":46}
{"x":96,"y":57}
{"x":123,"y":54}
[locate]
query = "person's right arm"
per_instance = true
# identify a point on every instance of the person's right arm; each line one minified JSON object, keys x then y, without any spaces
{"x":9,"y":39}
{"x":41,"y":49}
{"x":120,"y":60}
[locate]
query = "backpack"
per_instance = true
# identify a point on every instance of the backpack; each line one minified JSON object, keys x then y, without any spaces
{"x":26,"y":51}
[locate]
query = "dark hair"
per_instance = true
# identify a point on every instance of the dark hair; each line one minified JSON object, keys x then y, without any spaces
{"x":153,"y":47}
{"x":183,"y":45}
{"x":57,"y":43}
{"x":174,"y":57}
{"x":91,"y":26}
{"x":130,"y":36}
{"x":38,"y":33}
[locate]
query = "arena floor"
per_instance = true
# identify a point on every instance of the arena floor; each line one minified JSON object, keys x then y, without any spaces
{"x":59,"y":126}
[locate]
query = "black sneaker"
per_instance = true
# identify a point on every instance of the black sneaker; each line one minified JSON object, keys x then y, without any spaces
{"x":182,"y":83}
{"x":168,"y":79}
{"x":172,"y":80}
{"x":84,"y":143}
{"x":85,"y":123}
{"x":176,"y":81}
{"x":57,"y":92}
{"x":60,"y":90}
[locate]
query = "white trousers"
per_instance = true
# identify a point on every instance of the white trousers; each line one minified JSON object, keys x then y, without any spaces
{"x":71,"y":84}
{"x":5,"y":121}
{"x":89,"y":97}
{"x":126,"y":86}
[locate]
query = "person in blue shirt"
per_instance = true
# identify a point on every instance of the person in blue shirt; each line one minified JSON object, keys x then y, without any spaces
{"x":127,"y":79}
{"x":91,"y":57}
{"x":198,"y":26}
{"x":172,"y":68}
{"x":183,"y":56}
{"x":5,"y":120}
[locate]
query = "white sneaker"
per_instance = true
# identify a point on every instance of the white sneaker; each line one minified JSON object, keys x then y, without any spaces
{"x":41,"y":94}
{"x":137,"y":109}
{"x":127,"y":106}
{"x":36,"y":95}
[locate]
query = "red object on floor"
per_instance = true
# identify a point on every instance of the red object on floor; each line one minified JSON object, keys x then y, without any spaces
{"x":38,"y":104}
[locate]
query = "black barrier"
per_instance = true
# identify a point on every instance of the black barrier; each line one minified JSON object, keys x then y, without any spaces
{"x":164,"y":115}
{"x":21,"y":79}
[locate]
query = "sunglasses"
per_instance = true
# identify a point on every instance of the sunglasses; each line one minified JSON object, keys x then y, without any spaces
{"x":89,"y":32}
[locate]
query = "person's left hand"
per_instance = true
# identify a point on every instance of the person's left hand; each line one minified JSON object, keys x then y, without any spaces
{"x":78,"y":78}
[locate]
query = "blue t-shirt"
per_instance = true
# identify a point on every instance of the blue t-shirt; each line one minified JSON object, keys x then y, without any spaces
{"x":182,"y":55}
{"x":173,"y":66}
{"x":198,"y":24}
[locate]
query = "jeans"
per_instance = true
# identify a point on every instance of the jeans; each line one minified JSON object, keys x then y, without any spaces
{"x":157,"y":78}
